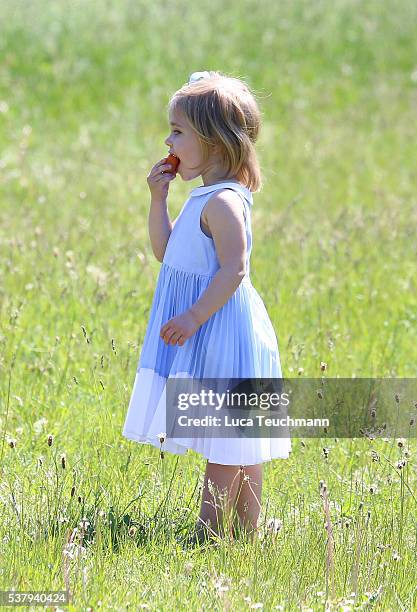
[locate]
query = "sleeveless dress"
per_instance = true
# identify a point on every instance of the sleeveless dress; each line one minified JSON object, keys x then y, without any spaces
{"x":237,"y":341}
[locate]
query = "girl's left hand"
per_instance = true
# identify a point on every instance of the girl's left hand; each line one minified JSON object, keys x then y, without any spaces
{"x":179,"y":328}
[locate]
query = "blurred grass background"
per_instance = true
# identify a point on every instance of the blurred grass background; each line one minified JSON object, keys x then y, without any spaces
{"x":84,"y":88}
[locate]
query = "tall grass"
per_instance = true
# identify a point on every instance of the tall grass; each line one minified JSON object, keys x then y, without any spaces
{"x":83,"y":94}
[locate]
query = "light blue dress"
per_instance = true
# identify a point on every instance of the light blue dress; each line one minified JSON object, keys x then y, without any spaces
{"x":237,"y":341}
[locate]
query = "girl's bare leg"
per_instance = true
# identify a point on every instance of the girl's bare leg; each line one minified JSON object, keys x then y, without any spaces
{"x":248,"y":500}
{"x":221,"y":484}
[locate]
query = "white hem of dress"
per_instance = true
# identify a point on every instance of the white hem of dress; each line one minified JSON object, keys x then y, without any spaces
{"x":144,"y":427}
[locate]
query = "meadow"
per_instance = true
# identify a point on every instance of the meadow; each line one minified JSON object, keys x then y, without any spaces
{"x":84,"y":87}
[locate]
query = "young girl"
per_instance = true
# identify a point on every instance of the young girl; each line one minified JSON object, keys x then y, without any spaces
{"x":207,"y":320}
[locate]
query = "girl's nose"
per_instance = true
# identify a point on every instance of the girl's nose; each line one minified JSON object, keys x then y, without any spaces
{"x":167,"y":142}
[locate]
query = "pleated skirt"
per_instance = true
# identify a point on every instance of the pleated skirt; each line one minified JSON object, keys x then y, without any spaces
{"x":237,"y":341}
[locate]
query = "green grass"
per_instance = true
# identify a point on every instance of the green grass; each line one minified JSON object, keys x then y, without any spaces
{"x":83,"y":93}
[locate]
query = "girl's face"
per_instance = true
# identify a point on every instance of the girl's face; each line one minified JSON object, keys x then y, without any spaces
{"x":185,"y":144}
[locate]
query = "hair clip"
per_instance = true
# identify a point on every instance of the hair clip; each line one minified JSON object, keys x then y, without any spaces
{"x":196,"y":76}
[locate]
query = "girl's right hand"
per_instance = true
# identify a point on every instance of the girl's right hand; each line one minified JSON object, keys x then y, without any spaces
{"x":159,"y":183}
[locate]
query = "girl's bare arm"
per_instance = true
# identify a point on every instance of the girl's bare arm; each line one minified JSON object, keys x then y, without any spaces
{"x":160,"y":227}
{"x":159,"y":224}
{"x":224,"y":214}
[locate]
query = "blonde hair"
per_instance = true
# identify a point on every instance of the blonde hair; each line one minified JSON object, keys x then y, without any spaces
{"x":223,"y":112}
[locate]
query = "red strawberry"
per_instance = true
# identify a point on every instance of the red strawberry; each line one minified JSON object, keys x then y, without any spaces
{"x":174,"y":161}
